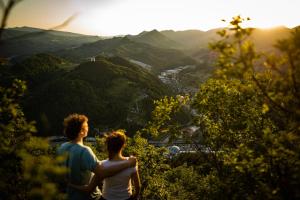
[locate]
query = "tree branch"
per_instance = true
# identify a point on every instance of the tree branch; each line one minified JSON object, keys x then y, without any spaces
{"x":7,"y":9}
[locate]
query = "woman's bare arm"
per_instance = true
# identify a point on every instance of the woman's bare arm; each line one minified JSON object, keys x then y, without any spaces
{"x":137,"y":184}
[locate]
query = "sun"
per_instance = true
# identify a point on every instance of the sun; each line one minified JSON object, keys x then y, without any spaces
{"x":263,"y":24}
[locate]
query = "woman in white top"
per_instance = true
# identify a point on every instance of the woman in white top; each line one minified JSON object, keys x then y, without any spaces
{"x":117,"y":187}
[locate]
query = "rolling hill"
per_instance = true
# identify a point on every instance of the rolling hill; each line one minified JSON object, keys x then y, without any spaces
{"x":159,"y":58}
{"x":113,"y":92}
{"x":157,"y":39}
{"x":25,"y":41}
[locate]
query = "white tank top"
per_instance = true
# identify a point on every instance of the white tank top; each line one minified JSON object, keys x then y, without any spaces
{"x":117,"y":187}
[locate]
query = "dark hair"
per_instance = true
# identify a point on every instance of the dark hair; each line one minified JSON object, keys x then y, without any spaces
{"x":115,"y":141}
{"x":73,"y":125}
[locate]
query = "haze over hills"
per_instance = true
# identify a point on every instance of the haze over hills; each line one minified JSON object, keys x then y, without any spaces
{"x":158,"y":58}
{"x":155,"y":50}
{"x":112,"y":80}
{"x":157,"y":39}
{"x":264,"y":39}
{"x":26,"y":41}
{"x":190,"y":38}
{"x":21,"y":31}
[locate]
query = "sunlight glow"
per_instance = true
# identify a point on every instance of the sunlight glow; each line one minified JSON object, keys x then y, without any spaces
{"x":115,"y":17}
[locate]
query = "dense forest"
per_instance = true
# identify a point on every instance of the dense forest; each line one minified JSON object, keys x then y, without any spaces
{"x":242,"y":94}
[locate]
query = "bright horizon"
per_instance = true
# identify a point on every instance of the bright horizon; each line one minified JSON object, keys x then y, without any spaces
{"x":121,"y":17}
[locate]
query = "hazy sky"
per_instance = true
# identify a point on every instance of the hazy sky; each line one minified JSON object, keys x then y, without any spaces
{"x":115,"y":17}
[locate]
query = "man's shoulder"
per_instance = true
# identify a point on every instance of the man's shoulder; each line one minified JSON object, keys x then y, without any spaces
{"x":69,"y":146}
{"x":86,"y":147}
{"x":87,"y":151}
{"x":75,"y":149}
{"x":63,"y":147}
{"x":65,"y":144}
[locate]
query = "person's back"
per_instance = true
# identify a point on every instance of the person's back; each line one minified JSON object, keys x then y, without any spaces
{"x":80,"y":161}
{"x":117,"y":187}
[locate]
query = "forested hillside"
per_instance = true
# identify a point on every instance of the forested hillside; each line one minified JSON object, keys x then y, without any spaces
{"x":113,"y":91}
{"x":25,"y":41}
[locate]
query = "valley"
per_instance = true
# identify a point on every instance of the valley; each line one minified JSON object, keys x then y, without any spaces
{"x":112,"y":80}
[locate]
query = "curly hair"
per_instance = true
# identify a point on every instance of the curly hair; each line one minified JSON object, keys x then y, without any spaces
{"x":73,"y":125}
{"x":115,"y":141}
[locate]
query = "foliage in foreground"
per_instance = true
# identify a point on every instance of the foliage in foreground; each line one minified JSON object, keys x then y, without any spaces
{"x":29,"y":169}
{"x":248,"y":114}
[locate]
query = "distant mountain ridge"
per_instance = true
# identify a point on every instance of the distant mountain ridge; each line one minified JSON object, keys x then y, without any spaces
{"x":188,"y":38}
{"x":155,"y":38}
{"x":27,"y":30}
{"x":159,"y":58}
{"x":26,"y":41}
{"x":189,"y":41}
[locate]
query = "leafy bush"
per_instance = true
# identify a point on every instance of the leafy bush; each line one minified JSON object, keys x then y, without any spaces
{"x":28,"y":167}
{"x":248,"y":114}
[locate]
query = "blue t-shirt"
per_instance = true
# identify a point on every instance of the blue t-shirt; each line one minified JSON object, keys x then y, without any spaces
{"x":81,"y":162}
